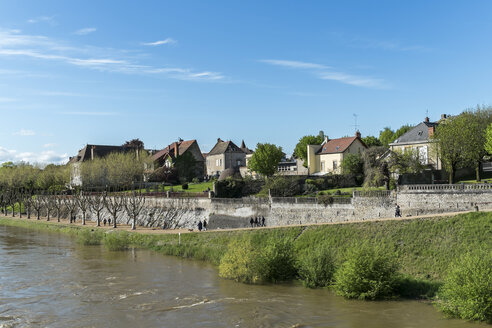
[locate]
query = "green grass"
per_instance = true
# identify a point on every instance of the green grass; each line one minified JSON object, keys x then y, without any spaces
{"x":193,"y":187}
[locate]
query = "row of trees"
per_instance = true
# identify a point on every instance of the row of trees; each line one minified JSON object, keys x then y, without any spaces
{"x":52,"y":204}
{"x":30,"y":177}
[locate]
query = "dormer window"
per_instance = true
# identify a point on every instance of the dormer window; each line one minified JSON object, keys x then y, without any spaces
{"x":337,"y":147}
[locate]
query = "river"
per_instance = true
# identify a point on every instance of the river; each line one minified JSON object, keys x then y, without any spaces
{"x":47,"y":280}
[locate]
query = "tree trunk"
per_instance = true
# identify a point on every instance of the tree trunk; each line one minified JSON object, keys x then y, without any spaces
{"x":28,"y":212}
{"x":38,"y":215}
{"x":134,"y":223}
{"x":98,"y":219}
{"x":47,"y":215}
{"x":83,"y":218}
{"x":20,"y":210}
{"x":58,"y":215}
{"x":114,"y":222}
{"x":451,"y":175}
{"x":13,"y":210}
{"x":478,"y":168}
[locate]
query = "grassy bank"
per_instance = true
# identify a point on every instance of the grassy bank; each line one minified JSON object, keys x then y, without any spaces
{"x":421,"y":250}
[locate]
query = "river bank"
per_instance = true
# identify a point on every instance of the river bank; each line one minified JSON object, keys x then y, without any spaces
{"x":424,"y":248}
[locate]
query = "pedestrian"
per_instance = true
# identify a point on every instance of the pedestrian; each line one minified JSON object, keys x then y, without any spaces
{"x":104,"y":222}
{"x":256,"y":221}
{"x":251,"y":222}
{"x":262,"y":221}
{"x":200,"y":225}
{"x":109,"y":222}
{"x":397,"y":211}
{"x":204,"y":225}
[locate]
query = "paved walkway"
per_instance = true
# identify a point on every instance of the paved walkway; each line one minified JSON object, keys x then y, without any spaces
{"x":139,"y":229}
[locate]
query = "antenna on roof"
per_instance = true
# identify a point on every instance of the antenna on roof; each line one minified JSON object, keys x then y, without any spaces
{"x":356,"y":126}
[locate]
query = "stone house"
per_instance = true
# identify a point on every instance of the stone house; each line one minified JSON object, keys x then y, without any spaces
{"x":292,"y":166}
{"x":327,"y":157}
{"x":419,"y":141}
{"x":91,"y":152}
{"x":226,"y":155}
{"x":167,"y":156}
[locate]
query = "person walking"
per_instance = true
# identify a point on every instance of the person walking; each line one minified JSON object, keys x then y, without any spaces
{"x":251,"y":222}
{"x":109,"y":222}
{"x":200,"y":225}
{"x":263,"y":221}
{"x":256,"y":221}
{"x":204,"y":225}
{"x":397,"y":211}
{"x":104,"y":222}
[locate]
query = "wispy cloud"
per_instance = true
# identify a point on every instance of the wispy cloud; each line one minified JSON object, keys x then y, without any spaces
{"x":15,"y":44}
{"x":40,"y":19}
{"x":85,"y":31}
{"x":44,"y":157}
{"x":91,"y":113}
{"x":325,"y":72}
{"x":161,"y":42}
{"x":24,"y":133}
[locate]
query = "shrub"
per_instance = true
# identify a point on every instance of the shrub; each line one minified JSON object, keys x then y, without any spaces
{"x":325,"y":199}
{"x":229,"y":188}
{"x":316,"y":268}
{"x":243,"y":263}
{"x":88,"y":237}
{"x":283,"y":186}
{"x":467,"y":290}
{"x":116,"y":241}
{"x":184,"y":186}
{"x":195,"y":180}
{"x":367,"y":274}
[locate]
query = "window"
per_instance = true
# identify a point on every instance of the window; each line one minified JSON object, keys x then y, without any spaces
{"x":335,"y":165}
{"x":238,"y":162}
{"x":322,"y":166}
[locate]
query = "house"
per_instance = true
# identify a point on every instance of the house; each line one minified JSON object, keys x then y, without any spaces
{"x":91,"y":152}
{"x":419,"y":141}
{"x":292,"y":166}
{"x":327,"y":157}
{"x":225,"y":155}
{"x":168,"y":156}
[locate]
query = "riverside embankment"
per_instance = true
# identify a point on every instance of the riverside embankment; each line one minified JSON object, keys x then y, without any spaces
{"x":424,"y":248}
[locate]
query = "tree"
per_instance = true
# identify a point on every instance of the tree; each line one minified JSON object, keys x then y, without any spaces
{"x":186,"y":167}
{"x":71,"y":205}
{"x":83,"y":204}
{"x":386,"y":136}
{"x":371,"y":141}
{"x":114,"y":205}
{"x":449,"y":141}
{"x":401,"y":131}
{"x":474,"y":136}
{"x":97,"y":205}
{"x":265,"y":159}
{"x":376,"y":168}
{"x":38,"y":205}
{"x":301,"y":148}
{"x":133,"y":205}
{"x":58,"y":204}
{"x":405,"y":162}
{"x":352,"y":164}
{"x":49,"y":203}
{"x":488,"y":139}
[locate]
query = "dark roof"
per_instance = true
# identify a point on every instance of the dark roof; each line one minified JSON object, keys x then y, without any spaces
{"x":99,"y":151}
{"x":338,"y":145}
{"x":169,"y":150}
{"x":222,"y":147}
{"x":420,"y":133}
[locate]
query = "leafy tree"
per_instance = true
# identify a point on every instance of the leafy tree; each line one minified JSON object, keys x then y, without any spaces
{"x":449,"y":141}
{"x":301,"y":148}
{"x":352,"y":164}
{"x":371,"y":141}
{"x":474,"y":136}
{"x":265,"y":159}
{"x":376,"y":169}
{"x":134,"y":143}
{"x":488,"y":139}
{"x":386,"y":136}
{"x":405,"y":162}
{"x":401,"y":131}
{"x":186,"y":167}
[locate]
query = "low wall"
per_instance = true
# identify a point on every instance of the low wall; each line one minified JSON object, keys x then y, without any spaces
{"x":222,"y":213}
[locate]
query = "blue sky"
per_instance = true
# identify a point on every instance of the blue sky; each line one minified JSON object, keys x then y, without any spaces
{"x":103,"y":72}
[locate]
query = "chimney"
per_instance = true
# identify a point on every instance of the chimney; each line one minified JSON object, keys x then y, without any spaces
{"x":176,"y":151}
{"x":357,"y":134}
{"x":431,"y":131}
{"x":92,"y":152}
{"x":326,"y":140}
{"x":219,"y":140}
{"x":426,"y":119}
{"x":321,"y":134}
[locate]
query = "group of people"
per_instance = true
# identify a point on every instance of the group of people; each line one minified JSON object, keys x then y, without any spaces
{"x":257,"y":222}
{"x":202,"y":226}
{"x":108,"y":221}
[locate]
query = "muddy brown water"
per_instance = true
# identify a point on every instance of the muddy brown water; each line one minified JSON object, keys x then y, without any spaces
{"x":47,"y":280}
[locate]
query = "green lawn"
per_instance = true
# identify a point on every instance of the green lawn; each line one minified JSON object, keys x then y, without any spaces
{"x":193,"y":187}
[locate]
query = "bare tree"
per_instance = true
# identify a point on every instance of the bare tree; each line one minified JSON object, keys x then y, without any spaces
{"x":58,"y":205}
{"x":133,"y":206}
{"x":12,"y":199}
{"x":49,"y":203}
{"x":83,"y":204}
{"x":114,"y":205}
{"x":71,"y":205}
{"x":38,"y":205}
{"x":21,"y":200}
{"x":28,"y":203}
{"x":97,"y":205}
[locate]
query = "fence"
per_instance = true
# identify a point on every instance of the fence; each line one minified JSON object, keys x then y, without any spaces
{"x":372,"y":193}
{"x":442,"y":187}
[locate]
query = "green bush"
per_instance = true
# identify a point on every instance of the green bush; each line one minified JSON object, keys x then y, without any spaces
{"x":281,"y":186}
{"x":88,"y":237}
{"x":116,"y":241}
{"x":229,"y":188}
{"x":367,"y":274}
{"x":325,"y":199}
{"x":184,"y":186}
{"x":467,"y":290}
{"x":243,"y":261}
{"x":316,"y":267}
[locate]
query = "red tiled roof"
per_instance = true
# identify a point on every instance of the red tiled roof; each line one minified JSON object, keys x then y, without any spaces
{"x":182,"y":148}
{"x":337,"y":145}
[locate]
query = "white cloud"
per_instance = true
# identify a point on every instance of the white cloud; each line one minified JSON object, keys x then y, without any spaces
{"x":41,"y":19}
{"x":161,"y":42}
{"x":24,"y":133}
{"x":13,"y":43}
{"x":85,"y":31}
{"x":328,"y":73}
{"x":45,"y":157}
